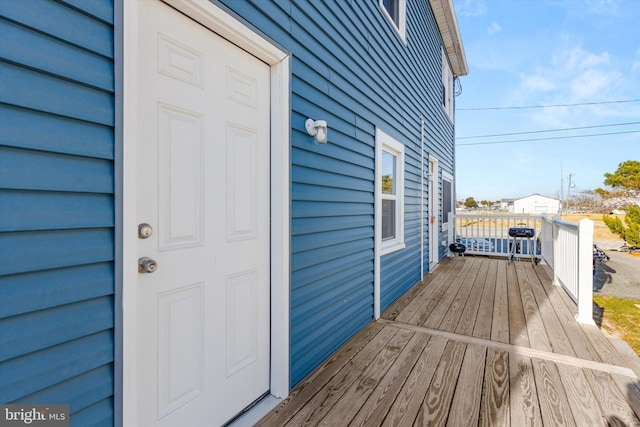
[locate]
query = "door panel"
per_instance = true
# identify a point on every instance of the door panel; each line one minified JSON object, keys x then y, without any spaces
{"x":203,"y":186}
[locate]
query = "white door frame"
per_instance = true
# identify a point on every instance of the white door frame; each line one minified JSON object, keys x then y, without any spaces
{"x":434,"y":210}
{"x":236,"y":32}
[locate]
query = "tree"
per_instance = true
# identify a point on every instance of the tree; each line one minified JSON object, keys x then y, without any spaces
{"x":632,"y":233}
{"x":627,"y":176}
{"x":470,"y":202}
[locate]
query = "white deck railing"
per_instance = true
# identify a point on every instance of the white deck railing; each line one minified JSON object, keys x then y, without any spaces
{"x":566,"y":247}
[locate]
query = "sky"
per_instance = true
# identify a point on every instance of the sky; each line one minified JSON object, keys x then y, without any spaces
{"x":532,"y":53}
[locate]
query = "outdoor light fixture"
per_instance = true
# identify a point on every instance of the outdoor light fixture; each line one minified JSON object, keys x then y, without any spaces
{"x":317,"y":129}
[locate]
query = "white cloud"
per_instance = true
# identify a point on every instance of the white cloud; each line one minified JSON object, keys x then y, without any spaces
{"x":471,"y":8}
{"x":494,"y":28}
{"x":592,"y":84}
{"x":536,"y":82}
{"x":580,"y":59}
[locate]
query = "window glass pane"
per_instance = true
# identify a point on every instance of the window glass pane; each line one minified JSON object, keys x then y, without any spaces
{"x":447,"y":203}
{"x":388,"y":173}
{"x":392,"y":7}
{"x":388,"y":219}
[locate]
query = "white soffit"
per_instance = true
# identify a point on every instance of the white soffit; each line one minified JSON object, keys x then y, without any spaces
{"x":448,"y":26}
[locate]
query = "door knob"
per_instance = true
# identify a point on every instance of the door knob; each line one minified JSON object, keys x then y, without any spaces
{"x":147,"y":265}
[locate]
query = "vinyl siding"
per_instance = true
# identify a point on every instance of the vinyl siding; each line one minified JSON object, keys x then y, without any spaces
{"x":57,"y":206}
{"x":350,"y":68}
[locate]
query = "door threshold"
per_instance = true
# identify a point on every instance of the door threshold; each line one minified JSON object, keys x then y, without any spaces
{"x":255,"y":411}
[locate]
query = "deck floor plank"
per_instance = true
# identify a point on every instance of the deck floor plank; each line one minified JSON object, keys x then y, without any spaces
{"x":324,"y":399}
{"x":613,"y":403}
{"x":451,"y":319}
{"x":494,"y":410}
{"x":558,"y":339}
{"x":443,"y":306}
{"x":554,"y":405}
{"x":482,"y":328}
{"x":584,"y":405}
{"x":500,"y":318}
{"x":465,"y":407}
{"x":422,"y":305}
{"x":630,"y":388}
{"x":523,"y":396}
{"x":436,"y":404}
{"x":411,"y":301}
{"x":314,"y":382}
{"x":514,"y":373}
{"x":559,"y":300}
{"x":470,"y":314}
{"x":374,"y":411}
{"x":360,"y":390}
{"x":517,"y":322}
{"x":538,"y":338}
{"x":405,"y":409}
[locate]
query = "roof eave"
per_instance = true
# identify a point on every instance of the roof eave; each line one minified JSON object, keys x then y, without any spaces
{"x":448,"y":26}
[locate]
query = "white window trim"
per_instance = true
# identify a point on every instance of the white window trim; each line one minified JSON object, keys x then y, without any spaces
{"x":387,"y":143}
{"x":401,"y":28}
{"x":447,"y":82}
{"x":446,"y":176}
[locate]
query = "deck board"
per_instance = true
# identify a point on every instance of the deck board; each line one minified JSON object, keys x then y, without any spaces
{"x":465,"y":408}
{"x":477,"y":342}
{"x":523,"y":395}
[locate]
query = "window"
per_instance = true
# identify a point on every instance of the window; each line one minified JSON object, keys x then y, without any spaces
{"x":389,"y":193}
{"x":396,"y":11}
{"x":447,"y":199}
{"x":447,"y":86}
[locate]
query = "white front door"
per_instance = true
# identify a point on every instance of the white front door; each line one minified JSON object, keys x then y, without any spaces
{"x":203,"y":187}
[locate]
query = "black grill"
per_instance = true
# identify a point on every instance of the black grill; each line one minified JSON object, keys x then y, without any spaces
{"x":522,"y":232}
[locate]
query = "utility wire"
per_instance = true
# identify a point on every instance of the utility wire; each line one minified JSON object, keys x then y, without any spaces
{"x":545,"y":139}
{"x":548,"y":130}
{"x":546,"y":106}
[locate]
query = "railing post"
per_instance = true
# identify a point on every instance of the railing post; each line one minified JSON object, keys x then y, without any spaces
{"x":585,"y":271}
{"x":556,"y":250}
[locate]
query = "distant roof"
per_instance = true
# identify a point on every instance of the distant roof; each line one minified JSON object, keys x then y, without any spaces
{"x":448,"y":25}
{"x":539,"y":195}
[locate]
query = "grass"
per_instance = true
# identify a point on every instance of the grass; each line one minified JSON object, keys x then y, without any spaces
{"x":601,"y":231}
{"x":621,"y":317}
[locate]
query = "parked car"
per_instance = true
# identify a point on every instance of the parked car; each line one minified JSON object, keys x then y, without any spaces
{"x":478,"y":245}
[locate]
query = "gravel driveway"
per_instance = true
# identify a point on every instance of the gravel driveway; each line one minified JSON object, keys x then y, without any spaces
{"x":618,"y":277}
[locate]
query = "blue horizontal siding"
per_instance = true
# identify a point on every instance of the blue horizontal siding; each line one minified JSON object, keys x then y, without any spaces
{"x":57,"y":206}
{"x":350,"y":68}
{"x":49,"y":55}
{"x":32,"y":251}
{"x":37,"y":330}
{"x":42,"y":210}
{"x":314,"y":273}
{"x":37,"y":91}
{"x":67,"y":24}
{"x":24,"y":293}
{"x":55,"y":172}
{"x":37,"y":371}
{"x":84,"y":390}
{"x":97,"y":415}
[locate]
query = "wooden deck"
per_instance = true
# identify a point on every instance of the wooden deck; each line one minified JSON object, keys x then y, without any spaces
{"x":479,"y":342}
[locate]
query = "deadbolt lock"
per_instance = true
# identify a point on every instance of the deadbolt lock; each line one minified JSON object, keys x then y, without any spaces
{"x":144,"y":230}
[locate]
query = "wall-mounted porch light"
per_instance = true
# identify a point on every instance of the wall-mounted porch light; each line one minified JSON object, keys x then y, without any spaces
{"x":317,"y":129}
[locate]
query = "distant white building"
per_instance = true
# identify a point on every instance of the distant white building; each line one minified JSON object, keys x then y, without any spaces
{"x":535,"y":204}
